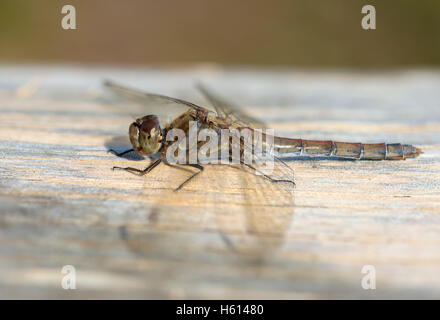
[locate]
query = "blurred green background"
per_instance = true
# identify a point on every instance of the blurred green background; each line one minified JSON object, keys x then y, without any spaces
{"x":313,"y":33}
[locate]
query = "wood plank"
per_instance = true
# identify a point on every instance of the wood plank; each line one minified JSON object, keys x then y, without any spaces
{"x":132,"y":237}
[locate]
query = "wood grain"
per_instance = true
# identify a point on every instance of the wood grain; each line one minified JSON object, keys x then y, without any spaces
{"x":132,"y":237}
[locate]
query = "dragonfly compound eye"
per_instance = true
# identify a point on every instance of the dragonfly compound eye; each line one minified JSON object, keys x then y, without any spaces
{"x":148,"y":123}
{"x":146,"y":135}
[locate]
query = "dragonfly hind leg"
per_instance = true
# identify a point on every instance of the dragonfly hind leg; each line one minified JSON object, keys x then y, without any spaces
{"x":197,"y":166}
{"x":138,"y":171}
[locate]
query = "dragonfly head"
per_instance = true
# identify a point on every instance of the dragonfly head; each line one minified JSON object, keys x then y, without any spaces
{"x":146,"y":135}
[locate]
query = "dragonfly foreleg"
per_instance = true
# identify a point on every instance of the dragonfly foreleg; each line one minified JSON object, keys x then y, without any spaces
{"x":138,"y":171}
{"x":119,"y":154}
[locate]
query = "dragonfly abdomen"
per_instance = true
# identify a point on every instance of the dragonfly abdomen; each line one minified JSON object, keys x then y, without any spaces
{"x":361,"y":151}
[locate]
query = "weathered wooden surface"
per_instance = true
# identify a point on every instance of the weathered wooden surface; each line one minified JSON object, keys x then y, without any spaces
{"x":130,"y":237}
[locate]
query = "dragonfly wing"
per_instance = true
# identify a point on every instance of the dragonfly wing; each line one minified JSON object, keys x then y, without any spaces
{"x":147,"y":98}
{"x":228,"y":110}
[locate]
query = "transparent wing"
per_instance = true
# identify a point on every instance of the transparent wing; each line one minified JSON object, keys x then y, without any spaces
{"x":146,"y":98}
{"x":228,"y":110}
{"x":277,"y":170}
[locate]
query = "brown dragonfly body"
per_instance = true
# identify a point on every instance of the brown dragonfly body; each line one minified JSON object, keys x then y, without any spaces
{"x":351,"y":150}
{"x":148,"y":137}
{"x":302,"y":147}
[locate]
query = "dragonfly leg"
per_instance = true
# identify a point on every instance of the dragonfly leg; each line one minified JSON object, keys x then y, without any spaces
{"x":177,"y":167}
{"x":120,"y":153}
{"x":198,"y":166}
{"x":266,"y":176}
{"x":138,"y":171}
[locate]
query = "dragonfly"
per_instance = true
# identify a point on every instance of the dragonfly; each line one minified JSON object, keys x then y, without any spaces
{"x":147,"y":137}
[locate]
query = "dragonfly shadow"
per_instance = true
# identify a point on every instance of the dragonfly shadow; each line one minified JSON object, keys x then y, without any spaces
{"x":241,"y":217}
{"x":120,"y":144}
{"x":259,"y":228}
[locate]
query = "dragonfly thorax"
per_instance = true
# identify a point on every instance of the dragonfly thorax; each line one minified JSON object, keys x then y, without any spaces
{"x":146,"y":135}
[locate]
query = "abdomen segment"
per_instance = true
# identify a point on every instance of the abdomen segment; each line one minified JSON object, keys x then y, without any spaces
{"x":361,"y":151}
